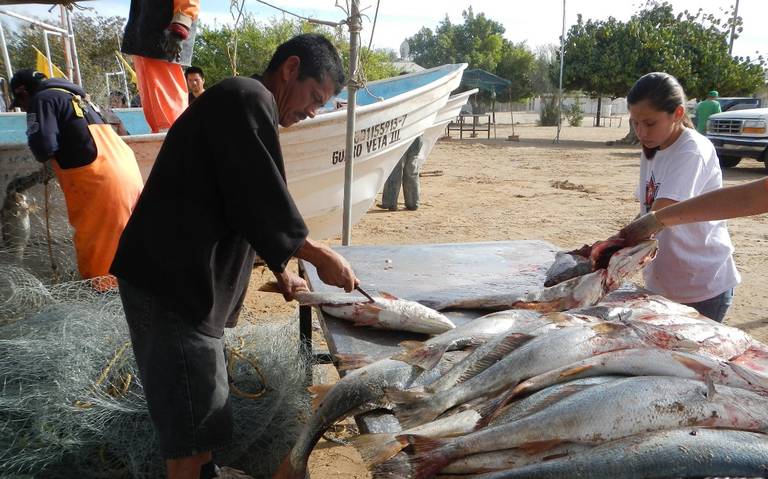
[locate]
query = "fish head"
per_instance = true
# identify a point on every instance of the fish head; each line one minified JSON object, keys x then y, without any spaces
{"x":630,"y":260}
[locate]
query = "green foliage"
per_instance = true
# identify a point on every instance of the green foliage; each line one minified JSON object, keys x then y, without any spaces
{"x":573,"y":113}
{"x":548,"y":115}
{"x":606,"y":57}
{"x":96,"y":39}
{"x":479,"y":42}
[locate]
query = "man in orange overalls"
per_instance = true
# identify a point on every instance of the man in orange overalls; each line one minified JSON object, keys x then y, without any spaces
{"x":160,"y":35}
{"x":97,"y":171}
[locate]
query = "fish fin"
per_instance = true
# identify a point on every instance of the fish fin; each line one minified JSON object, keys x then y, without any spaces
{"x":506,"y":346}
{"x":711,"y":391}
{"x":535,"y":384}
{"x":411,"y":344}
{"x":759,"y":381}
{"x":270,"y":287}
{"x":536,"y":447}
{"x":319,"y":391}
{"x":425,"y":357}
{"x":388,"y":296}
{"x":430,"y":455}
{"x":413,"y":408}
{"x":377,"y":448}
{"x":690,"y":363}
{"x":347,"y":362}
{"x":397,"y":466}
{"x":608,"y":328}
{"x":287,"y":470}
{"x":576,"y":370}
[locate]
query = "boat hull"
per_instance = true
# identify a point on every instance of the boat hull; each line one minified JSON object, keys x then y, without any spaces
{"x":314,"y":150}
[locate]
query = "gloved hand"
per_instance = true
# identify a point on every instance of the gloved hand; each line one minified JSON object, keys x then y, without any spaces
{"x":641,"y":229}
{"x":174,"y":35}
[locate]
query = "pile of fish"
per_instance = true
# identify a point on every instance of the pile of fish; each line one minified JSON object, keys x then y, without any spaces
{"x":624,"y":385}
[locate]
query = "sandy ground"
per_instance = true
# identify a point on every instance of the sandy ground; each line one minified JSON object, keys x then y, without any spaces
{"x":571,"y":193}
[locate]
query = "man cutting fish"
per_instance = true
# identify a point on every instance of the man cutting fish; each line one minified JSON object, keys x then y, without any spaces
{"x":216,"y":197}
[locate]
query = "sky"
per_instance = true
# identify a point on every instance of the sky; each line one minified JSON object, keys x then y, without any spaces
{"x":534,"y":22}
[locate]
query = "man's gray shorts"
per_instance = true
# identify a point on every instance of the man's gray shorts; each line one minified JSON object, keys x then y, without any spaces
{"x":184,"y":376}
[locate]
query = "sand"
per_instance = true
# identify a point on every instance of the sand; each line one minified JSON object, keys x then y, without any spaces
{"x":575,"y":192}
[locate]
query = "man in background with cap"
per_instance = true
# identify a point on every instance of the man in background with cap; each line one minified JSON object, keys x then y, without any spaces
{"x":97,"y":171}
{"x":705,"y":109}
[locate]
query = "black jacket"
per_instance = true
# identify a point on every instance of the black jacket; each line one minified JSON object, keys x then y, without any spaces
{"x":144,"y":31}
{"x":216,"y":196}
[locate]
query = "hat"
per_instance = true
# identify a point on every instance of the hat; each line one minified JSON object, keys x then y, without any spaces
{"x":713,"y":93}
{"x":28,"y":78}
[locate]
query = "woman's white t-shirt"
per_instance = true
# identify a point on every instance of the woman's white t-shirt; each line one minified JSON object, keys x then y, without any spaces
{"x":694,"y":261}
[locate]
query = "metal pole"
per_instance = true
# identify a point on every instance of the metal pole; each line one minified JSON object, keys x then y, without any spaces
{"x":65,"y":43}
{"x":355,"y":25}
{"x":48,"y":54}
{"x":560,"y":99}
{"x":125,"y":80}
{"x":733,"y":27}
{"x":6,"y":57}
{"x":34,"y":22}
{"x":75,"y":60}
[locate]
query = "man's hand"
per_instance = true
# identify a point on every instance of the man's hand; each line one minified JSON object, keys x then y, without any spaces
{"x":290,"y":284}
{"x":641,"y":229}
{"x":331,"y":267}
{"x":174,"y":35}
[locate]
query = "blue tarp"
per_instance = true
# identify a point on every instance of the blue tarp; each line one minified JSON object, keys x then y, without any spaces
{"x":484,"y":80}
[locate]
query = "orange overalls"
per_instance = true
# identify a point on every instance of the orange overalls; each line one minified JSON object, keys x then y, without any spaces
{"x":162,"y":85}
{"x":100,"y":197}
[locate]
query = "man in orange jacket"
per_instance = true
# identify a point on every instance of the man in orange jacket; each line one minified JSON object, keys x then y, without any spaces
{"x":160,"y":35}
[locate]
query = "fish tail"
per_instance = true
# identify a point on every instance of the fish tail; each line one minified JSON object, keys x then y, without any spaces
{"x":430,"y":455}
{"x":348,"y":362}
{"x":287,"y":470}
{"x":494,"y":408}
{"x":377,"y":448}
{"x":413,"y":408}
{"x":424,"y":357}
{"x":398,"y":466}
{"x":319,"y":391}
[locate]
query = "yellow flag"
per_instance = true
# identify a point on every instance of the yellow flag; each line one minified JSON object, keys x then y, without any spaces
{"x":43,"y":66}
{"x":127,"y":67}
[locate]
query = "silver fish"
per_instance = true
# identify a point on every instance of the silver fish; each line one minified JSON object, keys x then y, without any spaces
{"x":604,"y":413}
{"x":541,"y":354}
{"x":578,"y":292}
{"x":476,"y":332}
{"x":389,"y":312}
{"x":14,"y":217}
{"x":360,"y":388}
{"x":691,"y":452}
{"x":650,"y":362}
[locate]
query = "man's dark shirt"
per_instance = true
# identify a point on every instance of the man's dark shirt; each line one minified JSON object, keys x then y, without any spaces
{"x":216,"y":193}
{"x":55,"y":129}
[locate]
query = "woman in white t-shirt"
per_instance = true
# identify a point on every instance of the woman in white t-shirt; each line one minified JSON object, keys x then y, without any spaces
{"x":694,"y":265}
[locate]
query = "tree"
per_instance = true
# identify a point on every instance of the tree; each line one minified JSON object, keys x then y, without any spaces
{"x":606,"y":57}
{"x":478,"y":41}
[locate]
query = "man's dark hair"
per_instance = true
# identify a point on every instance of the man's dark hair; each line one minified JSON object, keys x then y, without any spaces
{"x":29,"y":78}
{"x":318,"y":58}
{"x":193,"y":69}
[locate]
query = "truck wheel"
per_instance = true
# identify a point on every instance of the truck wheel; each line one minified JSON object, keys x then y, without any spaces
{"x":729,"y":161}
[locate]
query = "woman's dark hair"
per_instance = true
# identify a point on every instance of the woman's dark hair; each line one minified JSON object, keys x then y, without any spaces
{"x":662,"y":91}
{"x":318,"y":58}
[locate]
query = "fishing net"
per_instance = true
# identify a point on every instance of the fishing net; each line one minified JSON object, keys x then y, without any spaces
{"x":71,"y":403}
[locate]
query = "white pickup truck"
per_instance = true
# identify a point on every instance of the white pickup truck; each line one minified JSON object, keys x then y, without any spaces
{"x":739,"y":134}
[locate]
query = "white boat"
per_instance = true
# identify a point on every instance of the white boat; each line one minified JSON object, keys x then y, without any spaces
{"x":446,"y":115}
{"x":391,"y":113}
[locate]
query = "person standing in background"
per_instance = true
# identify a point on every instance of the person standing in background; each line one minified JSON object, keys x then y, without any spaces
{"x":406,"y":172}
{"x":705,"y":109}
{"x":160,"y":35}
{"x":195,"y":82}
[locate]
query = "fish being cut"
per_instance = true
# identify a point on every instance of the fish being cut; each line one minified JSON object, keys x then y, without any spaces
{"x":384,"y":312}
{"x":578,"y":262}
